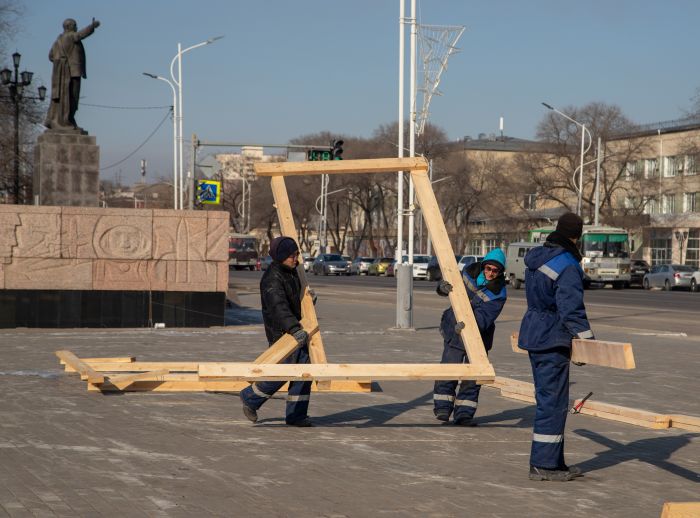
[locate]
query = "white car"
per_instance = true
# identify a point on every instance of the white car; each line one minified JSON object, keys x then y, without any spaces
{"x":420,"y":265}
{"x":466,"y":260}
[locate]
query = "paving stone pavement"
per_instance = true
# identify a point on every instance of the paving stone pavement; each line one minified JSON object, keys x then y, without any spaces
{"x":67,"y":452}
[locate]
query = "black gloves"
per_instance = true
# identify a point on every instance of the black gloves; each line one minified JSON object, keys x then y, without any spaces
{"x":443,"y":288}
{"x":301,"y":336}
{"x":314,"y":298}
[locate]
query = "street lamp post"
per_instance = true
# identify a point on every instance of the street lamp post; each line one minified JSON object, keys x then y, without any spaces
{"x":584,"y":130}
{"x":16,"y":87}
{"x":323,"y":212}
{"x":178,"y":82}
{"x":153,"y":76}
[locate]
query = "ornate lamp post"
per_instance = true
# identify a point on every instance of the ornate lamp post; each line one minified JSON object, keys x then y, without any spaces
{"x":16,"y":88}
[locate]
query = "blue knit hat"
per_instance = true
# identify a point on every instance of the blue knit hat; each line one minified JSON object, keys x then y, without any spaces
{"x":282,"y":247}
{"x":496,"y":257}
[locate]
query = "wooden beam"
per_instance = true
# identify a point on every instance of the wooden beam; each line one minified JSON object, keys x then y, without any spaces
{"x":145,"y":366}
{"x":287,"y":227}
{"x":471,"y":337}
{"x":89,"y":361}
{"x":356,"y":371}
{"x":83,"y":368}
{"x":685,"y":422}
{"x":616,"y":355}
{"x":625,"y":414}
{"x":373,"y":165}
{"x":681,"y":510}
{"x":222,"y":386}
{"x":285,"y":346}
{"x":121,"y":382}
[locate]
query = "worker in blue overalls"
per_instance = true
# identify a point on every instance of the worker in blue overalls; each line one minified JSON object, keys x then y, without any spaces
{"x":555,"y":315}
{"x":485,"y":283}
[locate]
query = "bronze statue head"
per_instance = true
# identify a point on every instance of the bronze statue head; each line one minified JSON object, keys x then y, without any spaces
{"x":69,"y":24}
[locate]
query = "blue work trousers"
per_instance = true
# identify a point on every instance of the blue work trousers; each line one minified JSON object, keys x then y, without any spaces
{"x":550,"y":370}
{"x":297,"y":395}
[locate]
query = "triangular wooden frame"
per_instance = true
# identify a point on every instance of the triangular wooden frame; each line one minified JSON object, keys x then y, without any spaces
{"x":479,"y":367}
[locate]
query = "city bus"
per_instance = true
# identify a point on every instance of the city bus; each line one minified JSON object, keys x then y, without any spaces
{"x":605,"y":251}
{"x":242,"y":251}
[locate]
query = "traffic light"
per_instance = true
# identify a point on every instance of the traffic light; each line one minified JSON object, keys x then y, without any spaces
{"x":337,"y":150}
{"x":318,"y":155}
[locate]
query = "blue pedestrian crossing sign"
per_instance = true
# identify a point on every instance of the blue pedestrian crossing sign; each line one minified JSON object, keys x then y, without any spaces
{"x":209,"y":191}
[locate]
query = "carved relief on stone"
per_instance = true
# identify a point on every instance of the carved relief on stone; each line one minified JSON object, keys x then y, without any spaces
{"x":191,"y":276}
{"x":111,"y":274}
{"x":180,"y":238}
{"x":222,"y":277}
{"x":123,"y":237}
{"x":217,"y":236}
{"x":48,"y":274}
{"x":39,"y":235}
{"x":8,"y":234}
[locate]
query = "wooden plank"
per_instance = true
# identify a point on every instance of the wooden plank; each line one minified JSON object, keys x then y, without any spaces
{"x":287,"y":227}
{"x":285,"y":346}
{"x":146,"y":366}
{"x":681,"y":510}
{"x":685,"y":422}
{"x":625,"y":414}
{"x":331,"y":371}
{"x":123,"y":381}
{"x":616,"y":355}
{"x":83,"y":368}
{"x":373,"y":165}
{"x":518,"y":396}
{"x":221,"y":386}
{"x":119,"y":359}
{"x":471,"y":337}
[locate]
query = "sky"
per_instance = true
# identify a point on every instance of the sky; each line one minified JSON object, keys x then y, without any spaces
{"x":289,"y":68}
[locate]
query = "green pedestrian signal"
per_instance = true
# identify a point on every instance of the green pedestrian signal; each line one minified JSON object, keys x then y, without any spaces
{"x":315,"y":155}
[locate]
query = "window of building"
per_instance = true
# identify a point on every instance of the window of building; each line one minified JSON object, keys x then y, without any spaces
{"x":668,"y":203}
{"x":491,"y":244}
{"x":474,"y":247}
{"x":630,"y":170}
{"x":660,"y":247}
{"x":530,"y":202}
{"x":650,"y":206}
{"x":689,"y":202}
{"x":691,"y":165}
{"x":674,"y":165}
{"x":651,"y":168}
{"x":692,"y":253}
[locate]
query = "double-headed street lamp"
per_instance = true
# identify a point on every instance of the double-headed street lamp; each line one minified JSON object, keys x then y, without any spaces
{"x":584,"y":130}
{"x":16,"y":87}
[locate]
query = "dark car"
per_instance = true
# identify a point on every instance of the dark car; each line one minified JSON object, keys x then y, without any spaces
{"x":434,"y":273}
{"x":638,"y":269}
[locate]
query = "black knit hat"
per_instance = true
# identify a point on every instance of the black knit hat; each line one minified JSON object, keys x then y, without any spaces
{"x":570,"y":225}
{"x":282,"y":247}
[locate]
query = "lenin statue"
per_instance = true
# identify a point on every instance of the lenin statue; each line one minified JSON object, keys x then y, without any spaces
{"x":68,"y":57}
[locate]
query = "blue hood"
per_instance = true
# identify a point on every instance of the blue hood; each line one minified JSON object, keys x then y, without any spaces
{"x":496,"y":255}
{"x":537,"y":256}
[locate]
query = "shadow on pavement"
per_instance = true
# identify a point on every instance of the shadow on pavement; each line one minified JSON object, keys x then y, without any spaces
{"x":236,"y":315}
{"x":655,"y":451}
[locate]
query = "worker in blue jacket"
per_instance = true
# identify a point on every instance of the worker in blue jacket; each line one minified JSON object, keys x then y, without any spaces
{"x":485,"y":283}
{"x":555,"y":315}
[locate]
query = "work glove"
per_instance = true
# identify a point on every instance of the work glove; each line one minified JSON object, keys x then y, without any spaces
{"x":458,"y":327}
{"x":314,"y":298}
{"x":301,"y":336}
{"x":443,"y":288}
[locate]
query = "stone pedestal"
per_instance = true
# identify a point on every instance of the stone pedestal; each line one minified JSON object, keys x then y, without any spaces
{"x":66,"y":169}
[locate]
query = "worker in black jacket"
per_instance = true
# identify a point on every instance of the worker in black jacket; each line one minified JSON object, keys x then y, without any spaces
{"x":280,"y":292}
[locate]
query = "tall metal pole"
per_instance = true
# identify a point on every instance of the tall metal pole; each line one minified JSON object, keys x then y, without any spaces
{"x":181,"y":137}
{"x":580,"y":173}
{"x":412,"y":143}
{"x":175,"y":112}
{"x":399,"y":185}
{"x":15,"y":99}
{"x":597,"y":183}
{"x":190,"y":174}
{"x":430,"y":243}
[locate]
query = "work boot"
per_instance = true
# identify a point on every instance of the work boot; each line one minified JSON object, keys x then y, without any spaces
{"x":465,"y":421}
{"x":301,"y":423}
{"x":553,"y":475}
{"x":441,"y":415}
{"x":249,"y":412}
{"x":574,"y":470}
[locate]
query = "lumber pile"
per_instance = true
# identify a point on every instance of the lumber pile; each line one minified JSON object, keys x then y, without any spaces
{"x":681,"y":510}
{"x":125,"y":374}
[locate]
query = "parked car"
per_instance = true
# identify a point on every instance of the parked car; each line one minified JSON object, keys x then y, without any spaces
{"x":433,"y":272}
{"x":695,"y":282}
{"x":668,"y":276}
{"x":360,"y":265}
{"x":420,"y":265}
{"x":308,"y":262}
{"x":265,"y":262}
{"x":379,"y":266}
{"x":638,"y":269}
{"x":348,"y":260}
{"x":515,"y":262}
{"x":326,"y":264}
{"x":466,"y":260}
{"x":391,"y":269}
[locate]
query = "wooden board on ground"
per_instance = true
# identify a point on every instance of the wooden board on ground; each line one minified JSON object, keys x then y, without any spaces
{"x":85,"y":370}
{"x":375,"y":165}
{"x":350,"y":371}
{"x":124,"y":380}
{"x":197,"y":385}
{"x":681,"y":510}
{"x":685,"y":422}
{"x":625,"y":414}
{"x":617,"y":355}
